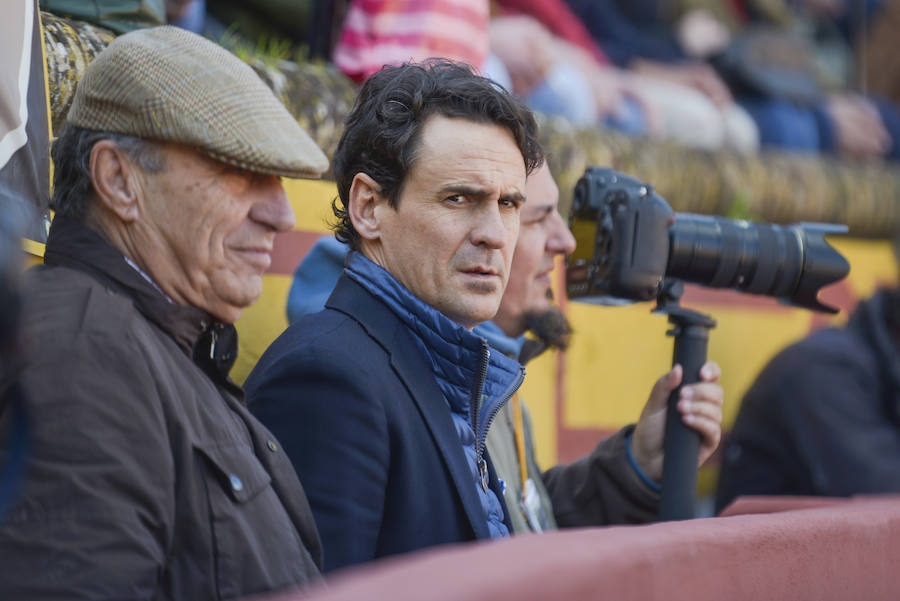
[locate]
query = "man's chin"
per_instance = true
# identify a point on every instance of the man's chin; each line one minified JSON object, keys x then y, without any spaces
{"x":473,"y":313}
{"x":229,"y":307}
{"x":226,"y":313}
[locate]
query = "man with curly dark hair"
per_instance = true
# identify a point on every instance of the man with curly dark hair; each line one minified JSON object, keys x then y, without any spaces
{"x":383,"y":400}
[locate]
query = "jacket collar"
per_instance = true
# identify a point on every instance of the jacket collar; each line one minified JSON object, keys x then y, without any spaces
{"x":213,"y":345}
{"x":453,"y":351}
{"x":497,"y":338}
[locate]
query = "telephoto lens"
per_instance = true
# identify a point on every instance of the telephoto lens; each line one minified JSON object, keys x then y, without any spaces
{"x":788,"y":262}
{"x":630,"y":240}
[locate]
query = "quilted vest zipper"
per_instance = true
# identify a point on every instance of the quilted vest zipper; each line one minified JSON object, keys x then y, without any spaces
{"x":475,"y":410}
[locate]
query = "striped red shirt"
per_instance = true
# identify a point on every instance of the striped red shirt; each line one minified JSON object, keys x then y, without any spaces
{"x":380,"y":32}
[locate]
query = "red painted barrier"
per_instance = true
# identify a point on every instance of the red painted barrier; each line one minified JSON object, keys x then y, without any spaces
{"x":842,"y":550}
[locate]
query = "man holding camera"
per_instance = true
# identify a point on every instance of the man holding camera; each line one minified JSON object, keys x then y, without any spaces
{"x":617,"y":482}
{"x":148,"y":478}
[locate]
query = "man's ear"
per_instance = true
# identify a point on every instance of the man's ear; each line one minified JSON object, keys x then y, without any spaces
{"x":115,"y":179}
{"x":365,"y":203}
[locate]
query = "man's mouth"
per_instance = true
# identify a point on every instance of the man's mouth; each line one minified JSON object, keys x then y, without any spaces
{"x":544,"y":277}
{"x":481,"y":272}
{"x":259,"y":257}
{"x":546,"y":274}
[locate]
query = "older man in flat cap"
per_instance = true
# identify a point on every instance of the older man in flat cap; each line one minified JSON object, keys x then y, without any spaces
{"x":148,"y":478}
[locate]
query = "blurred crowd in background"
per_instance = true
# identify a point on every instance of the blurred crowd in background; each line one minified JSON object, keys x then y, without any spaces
{"x":802,"y":75}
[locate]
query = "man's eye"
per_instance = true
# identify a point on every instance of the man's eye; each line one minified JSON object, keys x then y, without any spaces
{"x":509,"y":203}
{"x":456,"y":199}
{"x":251,"y":176}
{"x":541,"y":219}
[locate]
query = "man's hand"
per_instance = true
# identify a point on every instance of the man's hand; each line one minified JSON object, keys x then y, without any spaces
{"x":859,"y":129}
{"x":693,"y":74}
{"x":701,"y":34}
{"x":700,"y":406}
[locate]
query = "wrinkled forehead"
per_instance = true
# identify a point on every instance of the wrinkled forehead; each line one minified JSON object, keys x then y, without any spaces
{"x":452,"y":148}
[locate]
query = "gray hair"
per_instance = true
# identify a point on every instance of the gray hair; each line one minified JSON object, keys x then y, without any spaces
{"x":71,"y":153}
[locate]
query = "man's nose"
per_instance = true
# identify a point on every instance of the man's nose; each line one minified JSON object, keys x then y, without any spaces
{"x":491,"y":228}
{"x":272,"y":207}
{"x":560,"y":240}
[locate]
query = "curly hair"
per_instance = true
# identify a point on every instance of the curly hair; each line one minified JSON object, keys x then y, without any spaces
{"x":382,"y":133}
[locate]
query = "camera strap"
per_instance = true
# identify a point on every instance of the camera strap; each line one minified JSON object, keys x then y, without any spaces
{"x":529,"y":500}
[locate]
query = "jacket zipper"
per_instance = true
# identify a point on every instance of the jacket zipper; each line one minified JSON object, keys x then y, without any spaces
{"x":213,"y":338}
{"x":475,"y":408}
{"x":482,"y":441}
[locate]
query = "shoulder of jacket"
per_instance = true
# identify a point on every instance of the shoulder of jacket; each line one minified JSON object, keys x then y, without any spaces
{"x":332,"y":331}
{"x":328,"y":342}
{"x":64,"y":305}
{"x":828,"y":348}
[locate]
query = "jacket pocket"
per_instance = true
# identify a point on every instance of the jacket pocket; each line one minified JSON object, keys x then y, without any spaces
{"x":244,"y":512}
{"x":238,"y":471}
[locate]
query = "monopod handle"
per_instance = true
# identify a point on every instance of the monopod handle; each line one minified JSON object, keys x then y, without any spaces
{"x":682,"y":444}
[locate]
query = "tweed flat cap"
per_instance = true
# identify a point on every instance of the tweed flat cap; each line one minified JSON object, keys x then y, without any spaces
{"x":169,"y":84}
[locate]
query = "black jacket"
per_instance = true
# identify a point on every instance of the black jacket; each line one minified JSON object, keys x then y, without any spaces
{"x":823,"y":418}
{"x":148,"y":478}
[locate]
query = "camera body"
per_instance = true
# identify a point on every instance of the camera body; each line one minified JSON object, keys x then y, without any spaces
{"x":621,"y":229}
{"x":629,"y":241}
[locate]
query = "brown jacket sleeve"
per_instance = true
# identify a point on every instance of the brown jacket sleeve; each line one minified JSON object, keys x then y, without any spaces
{"x":601,"y":488}
{"x":86,"y":526}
